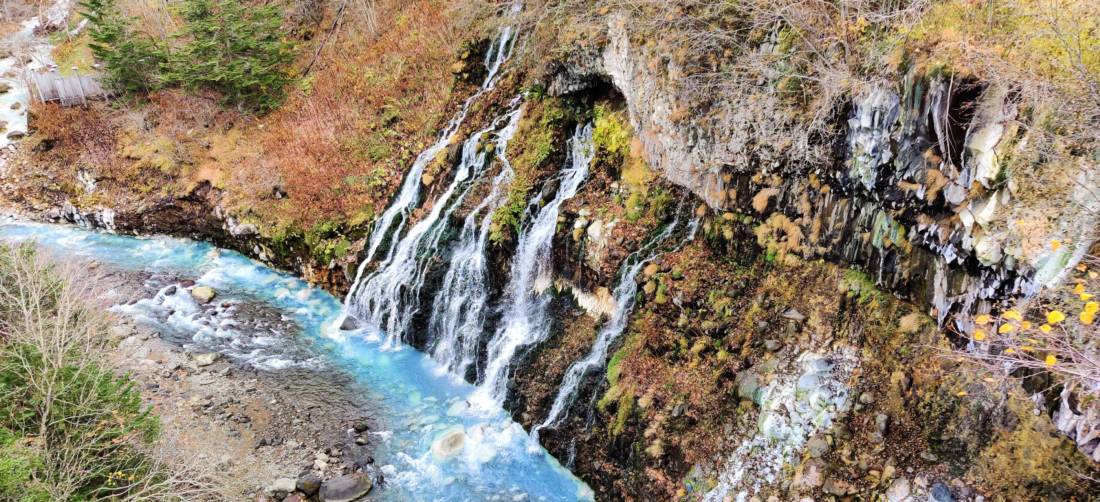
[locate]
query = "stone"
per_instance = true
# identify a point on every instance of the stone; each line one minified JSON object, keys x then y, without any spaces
{"x":206,"y":359}
{"x":941,"y":493}
{"x":350,"y":323}
{"x":747,"y":385}
{"x":450,"y":443}
{"x":121,"y":332}
{"x":837,"y":487}
{"x":294,"y":497}
{"x":817,"y":447}
{"x":16,"y":135}
{"x":4,"y":87}
{"x":898,"y":491}
{"x":882,"y":421}
{"x":308,"y":484}
{"x":347,"y":488}
{"x":793,"y":315}
{"x":867,"y":398}
{"x":282,"y":485}
{"x":772,"y":345}
{"x":203,"y":294}
{"x":16,"y":105}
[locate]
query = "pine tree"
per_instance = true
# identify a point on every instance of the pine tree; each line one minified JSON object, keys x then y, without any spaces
{"x":131,"y":61}
{"x":240,"y":52}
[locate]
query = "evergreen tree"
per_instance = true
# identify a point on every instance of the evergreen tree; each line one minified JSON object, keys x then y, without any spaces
{"x":237,"y":50}
{"x":131,"y":61}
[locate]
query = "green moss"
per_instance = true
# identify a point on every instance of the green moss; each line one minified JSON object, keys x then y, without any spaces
{"x":534,"y":145}
{"x":858,"y":284}
{"x":610,"y":133}
{"x":622,"y":414}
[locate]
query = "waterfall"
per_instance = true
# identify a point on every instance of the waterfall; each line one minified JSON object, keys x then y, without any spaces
{"x":409,"y":196}
{"x":625,"y":293}
{"x":524,"y":320}
{"x":458,"y":312}
{"x":387,"y":300}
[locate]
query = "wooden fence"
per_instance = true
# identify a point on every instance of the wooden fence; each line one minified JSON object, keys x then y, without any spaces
{"x":68,"y":90}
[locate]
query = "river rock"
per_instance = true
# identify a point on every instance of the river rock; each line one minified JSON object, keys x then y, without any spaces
{"x":350,"y":323}
{"x":206,"y":359}
{"x":282,"y":485}
{"x":817,"y":447}
{"x":4,"y":87}
{"x":308,"y":484}
{"x":346,"y":488}
{"x":837,"y":487}
{"x":203,"y":293}
{"x":941,"y":493}
{"x":899,"y":491}
{"x":449,"y":444}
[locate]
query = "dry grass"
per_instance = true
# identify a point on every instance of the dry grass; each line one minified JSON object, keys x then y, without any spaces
{"x":371,"y":102}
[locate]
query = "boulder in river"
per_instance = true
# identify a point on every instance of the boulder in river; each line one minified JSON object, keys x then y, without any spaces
{"x":203,"y":293}
{"x":348,"y":488}
{"x":449,"y":444}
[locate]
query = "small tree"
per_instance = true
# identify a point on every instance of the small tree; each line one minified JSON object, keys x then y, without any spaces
{"x":131,"y":61}
{"x":238,"y":51}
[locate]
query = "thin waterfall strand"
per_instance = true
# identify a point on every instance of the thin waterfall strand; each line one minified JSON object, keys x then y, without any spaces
{"x":459,"y":310}
{"x":524,"y":321}
{"x":409,"y":196}
{"x":387,"y":300}
{"x":624,"y":296}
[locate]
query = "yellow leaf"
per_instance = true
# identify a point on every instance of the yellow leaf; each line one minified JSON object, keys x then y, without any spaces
{"x":1092,"y":307}
{"x":1086,"y":296}
{"x":979,"y":335}
{"x":1010,"y":351}
{"x":1079,"y":289}
{"x":1027,"y":348}
{"x":1087,"y":318}
{"x":961,"y":393}
{"x":1006,"y":328}
{"x":1055,"y":244}
{"x":1093,"y":274}
{"x":1012,"y":314}
{"x":1025,"y":325}
{"x":1051,"y":360}
{"x":1045,"y":328}
{"x":1055,"y":317}
{"x":982,"y":319}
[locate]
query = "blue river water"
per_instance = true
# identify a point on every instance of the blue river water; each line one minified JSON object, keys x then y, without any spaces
{"x":432,"y":445}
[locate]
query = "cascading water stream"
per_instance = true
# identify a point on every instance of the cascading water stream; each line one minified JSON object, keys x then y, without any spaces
{"x":387,"y":300}
{"x":409,"y":196}
{"x":524,"y":320}
{"x":458,"y":313}
{"x":625,"y":293}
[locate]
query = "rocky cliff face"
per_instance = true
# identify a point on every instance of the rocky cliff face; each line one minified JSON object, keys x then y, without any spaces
{"x":763,"y":356}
